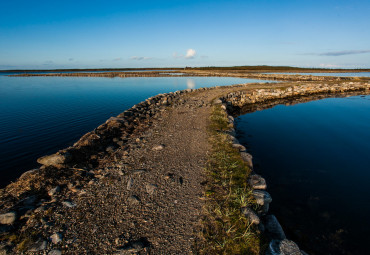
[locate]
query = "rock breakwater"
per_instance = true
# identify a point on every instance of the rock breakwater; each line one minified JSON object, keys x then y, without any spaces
{"x":134,"y":184}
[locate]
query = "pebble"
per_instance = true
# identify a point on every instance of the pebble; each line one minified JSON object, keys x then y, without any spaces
{"x":109,"y":149}
{"x":217,"y":101}
{"x":134,"y":200}
{"x":8,"y":218}
{"x":38,"y":246}
{"x":158,"y":148}
{"x":130,"y":183}
{"x":150,"y":188}
{"x":54,"y":191}
{"x":55,"y":252}
{"x":69,"y":204}
{"x":56,"y":238}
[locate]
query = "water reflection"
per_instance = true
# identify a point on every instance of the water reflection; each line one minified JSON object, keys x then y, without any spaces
{"x":190,"y":84}
{"x":40,"y":115}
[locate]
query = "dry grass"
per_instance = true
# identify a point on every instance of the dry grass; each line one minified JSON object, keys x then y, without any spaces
{"x":225,"y":229}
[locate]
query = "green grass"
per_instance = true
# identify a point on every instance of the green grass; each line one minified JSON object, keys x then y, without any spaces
{"x":225,"y":229}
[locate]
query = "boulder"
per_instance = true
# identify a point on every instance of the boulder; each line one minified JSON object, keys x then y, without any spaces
{"x":57,"y":159}
{"x":273,"y":228}
{"x":250,"y":215}
{"x":263,"y":198}
{"x":257,"y":182}
{"x":283,"y":247}
{"x":239,"y":147}
{"x":246,"y":157}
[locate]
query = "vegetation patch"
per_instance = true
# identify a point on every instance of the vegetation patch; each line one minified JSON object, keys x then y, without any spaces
{"x":225,"y":229}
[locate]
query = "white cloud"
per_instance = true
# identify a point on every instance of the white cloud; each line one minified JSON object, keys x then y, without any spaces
{"x":190,"y":53}
{"x":329,"y":66}
{"x":139,"y":58}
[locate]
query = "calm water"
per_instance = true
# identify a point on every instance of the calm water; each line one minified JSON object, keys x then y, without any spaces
{"x":108,"y":71}
{"x":315,"y":158}
{"x":362,"y":74}
{"x":40,"y":115}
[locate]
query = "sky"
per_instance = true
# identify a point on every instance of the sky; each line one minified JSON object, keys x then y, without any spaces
{"x":176,"y":33}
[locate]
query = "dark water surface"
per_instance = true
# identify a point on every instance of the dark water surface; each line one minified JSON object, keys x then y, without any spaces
{"x":315,"y":158}
{"x":41,"y":115}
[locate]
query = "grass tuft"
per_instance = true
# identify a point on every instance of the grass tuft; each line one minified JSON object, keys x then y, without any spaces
{"x":225,"y":229}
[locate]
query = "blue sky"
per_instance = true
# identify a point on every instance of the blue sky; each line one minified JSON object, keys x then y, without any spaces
{"x":92,"y":34}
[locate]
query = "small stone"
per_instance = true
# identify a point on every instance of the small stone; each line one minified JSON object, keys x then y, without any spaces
{"x":8,"y":218}
{"x":130,"y":183}
{"x":40,"y":245}
{"x":273,"y":228}
{"x":68,"y":204}
{"x":56,"y":238}
{"x":134,"y":200}
{"x":223,"y":107}
{"x":55,"y":252}
{"x":54,"y":191}
{"x":257,"y":182}
{"x":158,"y":148}
{"x":217,"y":101}
{"x":109,"y":149}
{"x":250,"y":215}
{"x":139,"y":171}
{"x":150,"y":188}
{"x":283,"y":247}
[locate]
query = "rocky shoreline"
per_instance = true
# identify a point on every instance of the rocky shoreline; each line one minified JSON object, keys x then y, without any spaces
{"x":202,"y":73}
{"x":134,"y":166}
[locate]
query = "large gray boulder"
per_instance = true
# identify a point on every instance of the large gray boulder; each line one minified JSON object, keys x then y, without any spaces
{"x":273,"y":228}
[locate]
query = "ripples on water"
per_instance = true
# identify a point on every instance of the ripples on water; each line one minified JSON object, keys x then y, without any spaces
{"x":315,"y":158}
{"x":40,"y":115}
